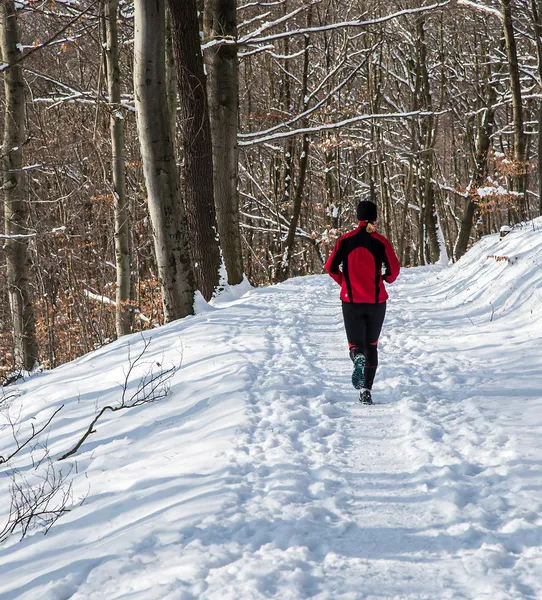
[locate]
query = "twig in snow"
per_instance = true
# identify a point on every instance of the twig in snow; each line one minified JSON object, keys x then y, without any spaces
{"x":37,"y":505}
{"x":152,"y":387}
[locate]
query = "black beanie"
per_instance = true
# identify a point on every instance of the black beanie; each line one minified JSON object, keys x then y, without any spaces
{"x":366,"y":211}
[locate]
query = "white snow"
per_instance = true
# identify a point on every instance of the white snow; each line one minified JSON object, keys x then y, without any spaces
{"x":498,"y":190}
{"x":261,"y":476}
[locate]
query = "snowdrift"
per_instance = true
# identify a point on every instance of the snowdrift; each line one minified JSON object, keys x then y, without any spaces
{"x":499,"y":278}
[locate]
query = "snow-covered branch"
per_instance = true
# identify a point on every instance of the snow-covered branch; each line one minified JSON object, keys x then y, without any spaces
{"x":311,"y":110}
{"x":109,"y":302}
{"x":249,"y":139}
{"x":488,"y":10}
{"x":252,"y":38}
{"x":17,"y":236}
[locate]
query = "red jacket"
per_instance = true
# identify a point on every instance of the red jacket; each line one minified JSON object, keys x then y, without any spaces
{"x":362,"y":256}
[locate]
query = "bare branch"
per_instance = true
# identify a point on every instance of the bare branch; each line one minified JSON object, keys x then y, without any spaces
{"x":246,"y":139}
{"x":35,"y":433}
{"x":5,"y":67}
{"x":152,"y":387}
{"x":41,"y":505}
{"x":252,"y":39}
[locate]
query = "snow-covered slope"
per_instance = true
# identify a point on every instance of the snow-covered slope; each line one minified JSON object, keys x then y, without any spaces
{"x":261,"y":477}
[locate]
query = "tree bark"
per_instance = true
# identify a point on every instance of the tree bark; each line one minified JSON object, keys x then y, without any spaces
{"x":196,"y":145}
{"x":170,"y":231}
{"x":171,"y":79}
{"x":536,"y":10}
{"x":220,"y":20}
{"x":428,"y":207}
{"x":480,"y":174}
{"x":283,"y":270}
{"x":123,"y":246}
{"x":520,"y":177}
{"x":15,"y":212}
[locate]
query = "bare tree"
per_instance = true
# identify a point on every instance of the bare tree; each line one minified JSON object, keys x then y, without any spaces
{"x":520,"y":176}
{"x":220,"y":21}
{"x":196,"y":147}
{"x":37,"y":504}
{"x":170,"y":231}
{"x":283,"y":269}
{"x":483,"y":147}
{"x":536,"y":16}
{"x":123,"y":251}
{"x":15,"y":209}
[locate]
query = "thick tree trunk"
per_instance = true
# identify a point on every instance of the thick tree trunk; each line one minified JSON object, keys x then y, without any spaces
{"x":536,"y":10}
{"x":520,"y":178}
{"x":170,"y":231}
{"x":123,"y":247}
{"x":220,"y":20}
{"x":196,"y":146}
{"x":539,"y":165}
{"x":538,"y":30}
{"x":15,"y":212}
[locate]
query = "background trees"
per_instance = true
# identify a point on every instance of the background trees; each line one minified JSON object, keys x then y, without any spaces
{"x":312,"y":106}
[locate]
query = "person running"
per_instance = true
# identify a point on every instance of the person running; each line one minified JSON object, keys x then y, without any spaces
{"x":361,"y":260}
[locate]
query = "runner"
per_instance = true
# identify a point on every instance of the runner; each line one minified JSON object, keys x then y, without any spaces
{"x":361,"y":260}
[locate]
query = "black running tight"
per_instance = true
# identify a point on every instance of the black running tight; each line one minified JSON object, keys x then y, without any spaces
{"x":363,"y":323}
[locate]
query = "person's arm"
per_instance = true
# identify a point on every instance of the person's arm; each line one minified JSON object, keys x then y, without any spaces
{"x":392,"y":263}
{"x":333,"y":262}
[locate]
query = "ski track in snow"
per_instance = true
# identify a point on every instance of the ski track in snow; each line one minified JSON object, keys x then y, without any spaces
{"x":434,"y":492}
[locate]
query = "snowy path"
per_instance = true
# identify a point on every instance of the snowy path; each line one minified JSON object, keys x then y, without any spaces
{"x":262,"y":477}
{"x":408,"y":499}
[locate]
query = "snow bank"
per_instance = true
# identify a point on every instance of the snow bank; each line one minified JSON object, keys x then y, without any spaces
{"x":498,"y":278}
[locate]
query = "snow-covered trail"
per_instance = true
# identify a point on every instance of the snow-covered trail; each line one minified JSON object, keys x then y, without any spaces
{"x":411,"y":498}
{"x":262,"y":477}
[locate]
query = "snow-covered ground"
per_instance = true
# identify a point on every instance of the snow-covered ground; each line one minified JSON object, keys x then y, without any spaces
{"x":261,"y":477}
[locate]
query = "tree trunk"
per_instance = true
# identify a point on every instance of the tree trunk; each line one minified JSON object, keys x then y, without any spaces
{"x":170,"y":231}
{"x":520,"y":177}
{"x":123,"y":247}
{"x":220,"y":20}
{"x":484,"y":144}
{"x":171,"y":78}
{"x":283,"y":270}
{"x":536,"y":10}
{"x":428,"y":207}
{"x":15,"y":211}
{"x":196,"y":146}
{"x":538,"y":31}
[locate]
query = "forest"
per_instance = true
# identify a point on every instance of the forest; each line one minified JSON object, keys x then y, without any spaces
{"x":155,"y":150}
